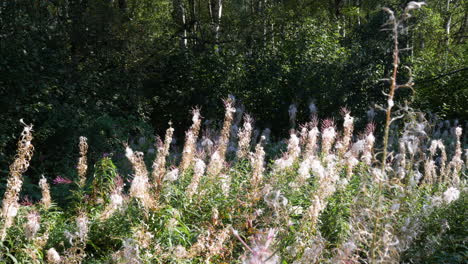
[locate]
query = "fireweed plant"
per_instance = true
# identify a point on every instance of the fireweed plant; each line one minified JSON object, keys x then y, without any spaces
{"x":322,"y":195}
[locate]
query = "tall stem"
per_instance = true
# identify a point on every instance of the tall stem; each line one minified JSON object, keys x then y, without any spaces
{"x":391,"y":94}
{"x":388,"y":122}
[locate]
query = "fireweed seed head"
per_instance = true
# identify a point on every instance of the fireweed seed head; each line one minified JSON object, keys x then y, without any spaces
{"x":53,"y":256}
{"x":32,"y":225}
{"x":275,"y":199}
{"x":116,"y":199}
{"x":433,"y":147}
{"x":451,"y":194}
{"x":82,"y":224}
{"x":199,"y":166}
{"x":46,"y":200}
{"x":172,"y":175}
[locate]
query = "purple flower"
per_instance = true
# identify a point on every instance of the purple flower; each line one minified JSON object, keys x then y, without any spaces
{"x":61,"y":180}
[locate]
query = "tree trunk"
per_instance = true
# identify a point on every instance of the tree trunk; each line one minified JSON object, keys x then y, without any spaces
{"x":180,"y":19}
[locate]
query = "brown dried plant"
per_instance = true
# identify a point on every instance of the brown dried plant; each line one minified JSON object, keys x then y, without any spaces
{"x":19,"y":166}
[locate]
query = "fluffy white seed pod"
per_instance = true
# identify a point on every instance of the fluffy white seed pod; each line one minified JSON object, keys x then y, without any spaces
{"x":451,"y":194}
{"x":328,"y":136}
{"x":172,"y":175}
{"x":46,"y":200}
{"x":304,"y":170}
{"x":32,"y":225}
{"x":311,"y":144}
{"x":53,"y":256}
{"x":198,"y":171}
{"x":244,"y":135}
{"x":82,"y":224}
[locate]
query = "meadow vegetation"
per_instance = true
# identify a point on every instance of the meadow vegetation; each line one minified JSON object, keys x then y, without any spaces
{"x":391,"y":191}
{"x":233,"y":199}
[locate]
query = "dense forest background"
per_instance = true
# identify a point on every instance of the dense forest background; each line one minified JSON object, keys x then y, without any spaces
{"x":113,"y":70}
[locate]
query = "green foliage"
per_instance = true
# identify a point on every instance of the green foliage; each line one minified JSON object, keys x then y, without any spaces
{"x":444,"y":237}
{"x":110,"y":69}
{"x":118,"y":71}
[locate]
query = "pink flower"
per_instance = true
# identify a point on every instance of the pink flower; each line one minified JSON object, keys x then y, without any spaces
{"x":26,"y":201}
{"x":61,"y":180}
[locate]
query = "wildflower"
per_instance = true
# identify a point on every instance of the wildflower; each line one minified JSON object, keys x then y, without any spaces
{"x":130,"y":252}
{"x":369,"y":145}
{"x":451,"y":194}
{"x":12,"y":210}
{"x":116,"y":199}
{"x":244,"y":137}
{"x":32,"y":225}
{"x":216,"y":162}
{"x":429,"y":171}
{"x":82,"y":166}
{"x":258,"y":164}
{"x":172,"y":175}
{"x":311,"y":144}
{"x":358,"y":147}
{"x":179,"y":252}
{"x":15,"y":179}
{"x":328,"y":136}
{"x":207,"y":145}
{"x":433,"y":147}
{"x":225,"y":181}
{"x":191,"y":137}
{"x":139,"y":187}
{"x":457,"y":163}
{"x":275,"y":200}
{"x":61,"y":180}
{"x":198,"y":171}
{"x":82,"y":224}
{"x":294,"y":150}
{"x":297,"y":210}
{"x":436,"y":201}
{"x":159,"y":164}
{"x":283,"y":163}
{"x":351,"y":161}
{"x":53,"y":256}
{"x":347,"y":134}
{"x":143,"y":237}
{"x":45,"y":190}
{"x":415,"y":178}
{"x":378,"y":175}
{"x":312,"y":254}
{"x":260,"y":251}
{"x":216,"y":245}
{"x":304,"y":170}
{"x":317,"y":169}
